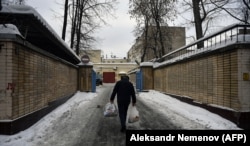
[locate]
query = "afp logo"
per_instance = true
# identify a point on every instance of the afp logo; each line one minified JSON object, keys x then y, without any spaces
{"x":234,"y":138}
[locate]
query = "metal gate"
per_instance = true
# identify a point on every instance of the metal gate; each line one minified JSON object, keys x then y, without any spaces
{"x":108,"y":77}
{"x":139,"y":80}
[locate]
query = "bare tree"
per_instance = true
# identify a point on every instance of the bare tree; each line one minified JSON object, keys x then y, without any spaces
{"x":140,"y":12}
{"x":152,"y":14}
{"x":86,"y":16}
{"x":239,"y":10}
{"x":206,"y":12}
{"x":161,"y":11}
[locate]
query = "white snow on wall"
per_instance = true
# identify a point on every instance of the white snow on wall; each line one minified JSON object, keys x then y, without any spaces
{"x":9,"y":29}
{"x":24,"y":9}
{"x":146,"y":64}
{"x":233,"y":40}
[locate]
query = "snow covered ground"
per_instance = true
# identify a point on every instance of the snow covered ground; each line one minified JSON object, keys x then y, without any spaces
{"x":44,"y":129}
{"x":174,"y":108}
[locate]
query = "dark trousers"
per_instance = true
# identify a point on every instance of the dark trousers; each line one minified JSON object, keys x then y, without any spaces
{"x":123,"y":108}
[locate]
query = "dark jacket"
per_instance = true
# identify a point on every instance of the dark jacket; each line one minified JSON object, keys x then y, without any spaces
{"x":124,"y":90}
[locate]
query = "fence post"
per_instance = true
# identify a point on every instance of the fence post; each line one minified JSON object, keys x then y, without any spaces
{"x":147,"y":75}
{"x":85,"y":77}
{"x":93,"y":78}
{"x":139,"y":81}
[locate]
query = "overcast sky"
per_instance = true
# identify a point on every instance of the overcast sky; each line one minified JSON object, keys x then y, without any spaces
{"x":116,"y":38}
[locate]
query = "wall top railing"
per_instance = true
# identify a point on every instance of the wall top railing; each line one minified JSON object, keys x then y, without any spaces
{"x":236,"y":33}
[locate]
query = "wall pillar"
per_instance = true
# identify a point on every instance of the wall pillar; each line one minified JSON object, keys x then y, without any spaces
{"x":85,"y":77}
{"x":147,"y":75}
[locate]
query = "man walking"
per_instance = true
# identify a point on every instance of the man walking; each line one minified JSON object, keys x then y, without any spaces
{"x":124,"y":90}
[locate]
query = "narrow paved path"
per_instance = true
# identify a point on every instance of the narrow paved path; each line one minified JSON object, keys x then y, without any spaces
{"x":105,"y":131}
{"x":100,"y":130}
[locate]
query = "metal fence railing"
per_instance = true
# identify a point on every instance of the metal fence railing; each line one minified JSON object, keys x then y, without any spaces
{"x":237,"y":33}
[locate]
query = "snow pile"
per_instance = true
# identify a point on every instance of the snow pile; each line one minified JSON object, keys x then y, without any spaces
{"x":60,"y":120}
{"x":168,"y":105}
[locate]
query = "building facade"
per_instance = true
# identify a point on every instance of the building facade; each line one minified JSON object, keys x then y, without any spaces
{"x":109,"y":69}
{"x":173,"y":38}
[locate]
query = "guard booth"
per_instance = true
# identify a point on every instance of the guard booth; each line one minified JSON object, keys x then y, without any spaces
{"x":86,"y":76}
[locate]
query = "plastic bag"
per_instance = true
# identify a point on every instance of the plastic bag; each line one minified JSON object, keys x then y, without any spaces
{"x":133,"y":115}
{"x":110,"y":110}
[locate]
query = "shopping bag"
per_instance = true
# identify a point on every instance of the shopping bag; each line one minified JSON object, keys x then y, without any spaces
{"x":110,"y":110}
{"x":133,"y":115}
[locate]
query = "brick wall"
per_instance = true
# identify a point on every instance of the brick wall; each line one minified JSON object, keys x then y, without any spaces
{"x":212,"y":79}
{"x":29,"y":80}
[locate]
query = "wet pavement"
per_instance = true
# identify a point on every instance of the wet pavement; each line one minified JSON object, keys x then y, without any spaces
{"x":105,"y":131}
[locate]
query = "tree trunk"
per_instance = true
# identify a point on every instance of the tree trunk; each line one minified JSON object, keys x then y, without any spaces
{"x":73,"y":27}
{"x":145,"y":42}
{"x":65,"y":19}
{"x":197,"y":21}
{"x":162,"y":49}
{"x":0,"y":5}
{"x":79,"y":26}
